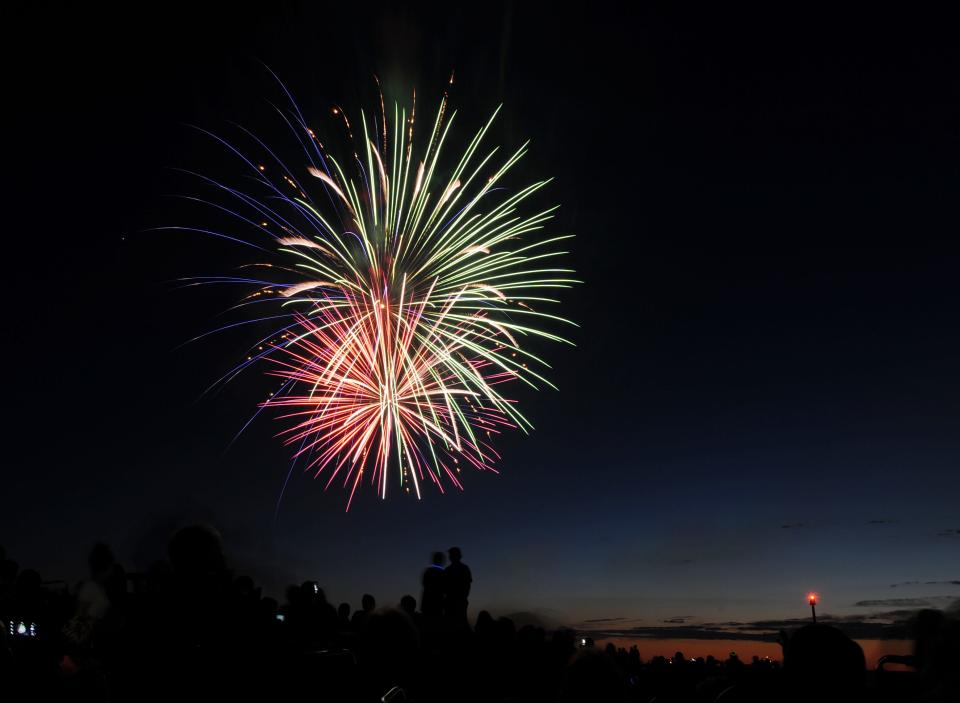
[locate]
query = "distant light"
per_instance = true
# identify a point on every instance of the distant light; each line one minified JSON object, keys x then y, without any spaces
{"x":812,"y":598}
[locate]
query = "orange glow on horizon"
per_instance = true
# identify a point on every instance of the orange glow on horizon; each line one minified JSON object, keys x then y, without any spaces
{"x":746,"y":649}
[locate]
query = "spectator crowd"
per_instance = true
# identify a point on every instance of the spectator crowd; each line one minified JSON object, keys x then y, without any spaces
{"x":191,"y":629}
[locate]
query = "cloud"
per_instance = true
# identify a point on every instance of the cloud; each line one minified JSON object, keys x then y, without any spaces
{"x":926,"y":583}
{"x":792,"y":525}
{"x":687,"y":632}
{"x":928,"y":602}
{"x":887,"y":624}
{"x":760,"y":631}
{"x":659,"y":559}
{"x":893,"y":603}
{"x":604,"y":619}
{"x":868,"y":627}
{"x":949,"y":533}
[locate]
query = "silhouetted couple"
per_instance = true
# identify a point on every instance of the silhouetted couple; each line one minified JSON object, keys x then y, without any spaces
{"x":446,"y":591}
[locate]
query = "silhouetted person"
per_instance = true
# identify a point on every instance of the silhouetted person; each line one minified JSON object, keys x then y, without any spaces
{"x":936,"y":653}
{"x":592,"y":676}
{"x":457,"y":579}
{"x":198,"y":612}
{"x":389,"y":650}
{"x":360,"y":618}
{"x":92,"y":599}
{"x":343,"y":617}
{"x":819,"y":661}
{"x":431,"y":601}
{"x":408,"y":604}
{"x":321,"y":617}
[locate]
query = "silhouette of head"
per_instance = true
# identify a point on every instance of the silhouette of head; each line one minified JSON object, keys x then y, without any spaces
{"x":368,"y":602}
{"x":196,"y":551}
{"x":408,"y":604}
{"x":455,"y":555}
{"x":294,"y":594}
{"x":820,"y":658}
{"x":343,"y":611}
{"x":439,"y":559}
{"x":485,"y":623}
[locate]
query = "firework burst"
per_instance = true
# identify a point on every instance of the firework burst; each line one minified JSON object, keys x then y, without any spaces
{"x":410,"y":285}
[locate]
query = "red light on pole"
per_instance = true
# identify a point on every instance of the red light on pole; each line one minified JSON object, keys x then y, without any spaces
{"x":812,"y":599}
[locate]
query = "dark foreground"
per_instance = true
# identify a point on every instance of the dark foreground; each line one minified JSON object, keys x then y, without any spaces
{"x":191,"y":630}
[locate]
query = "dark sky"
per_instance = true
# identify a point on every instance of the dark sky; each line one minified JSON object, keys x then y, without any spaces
{"x":765,"y":393}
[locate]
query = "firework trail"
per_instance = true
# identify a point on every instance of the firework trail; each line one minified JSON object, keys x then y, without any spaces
{"x":409,"y":286}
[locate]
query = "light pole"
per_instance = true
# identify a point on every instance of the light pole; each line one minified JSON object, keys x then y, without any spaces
{"x":812,"y":599}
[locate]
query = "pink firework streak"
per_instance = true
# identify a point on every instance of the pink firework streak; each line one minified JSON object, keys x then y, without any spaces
{"x":376,"y":385}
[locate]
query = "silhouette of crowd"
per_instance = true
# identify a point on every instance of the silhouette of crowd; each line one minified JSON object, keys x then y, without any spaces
{"x":190,"y":629}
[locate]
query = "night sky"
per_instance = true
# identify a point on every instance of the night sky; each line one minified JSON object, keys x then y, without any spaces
{"x":764,"y":397}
